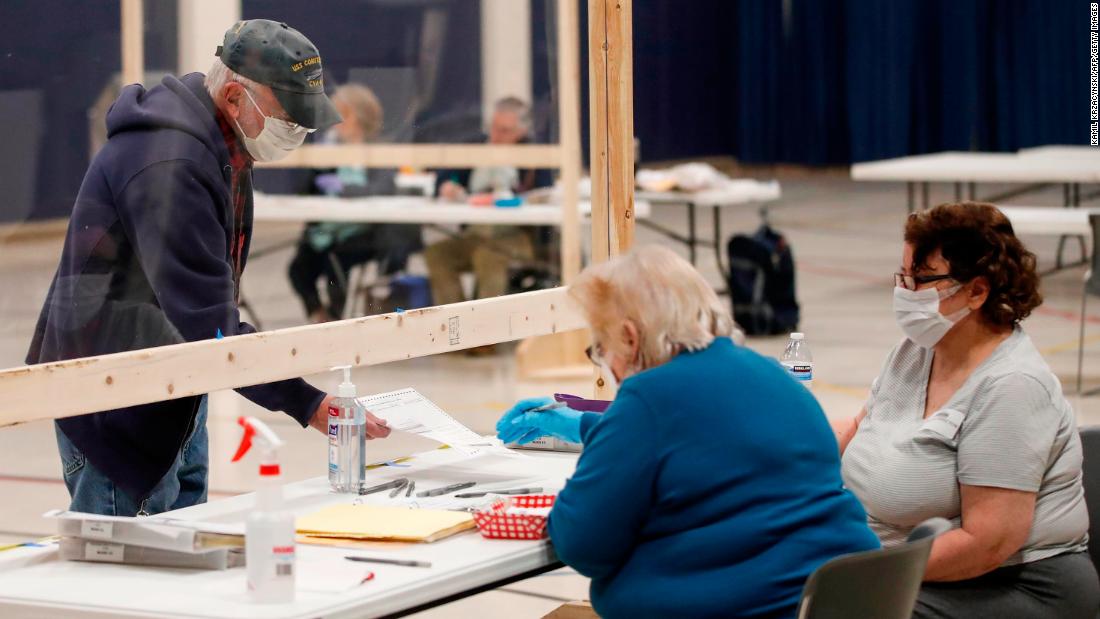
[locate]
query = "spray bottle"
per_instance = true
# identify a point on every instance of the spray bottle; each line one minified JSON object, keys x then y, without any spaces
{"x":347,"y":437}
{"x":269,"y":530}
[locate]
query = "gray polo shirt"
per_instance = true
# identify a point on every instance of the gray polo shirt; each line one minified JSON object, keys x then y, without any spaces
{"x":1008,"y":426}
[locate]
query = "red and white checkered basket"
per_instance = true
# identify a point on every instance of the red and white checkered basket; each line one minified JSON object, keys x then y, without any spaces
{"x":495,"y":522}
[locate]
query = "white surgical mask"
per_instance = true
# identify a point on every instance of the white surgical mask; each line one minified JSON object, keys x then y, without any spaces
{"x":918,"y":314}
{"x":608,"y":375}
{"x":276,"y":140}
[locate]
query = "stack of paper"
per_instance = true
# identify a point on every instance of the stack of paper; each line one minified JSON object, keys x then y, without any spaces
{"x":381,"y":523}
{"x":148,"y":540}
{"x":407,"y":410}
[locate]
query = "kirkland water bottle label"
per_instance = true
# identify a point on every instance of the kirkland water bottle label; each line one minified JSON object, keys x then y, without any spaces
{"x":802,"y":372}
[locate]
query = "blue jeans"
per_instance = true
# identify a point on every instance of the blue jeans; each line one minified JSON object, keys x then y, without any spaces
{"x":183,"y":486}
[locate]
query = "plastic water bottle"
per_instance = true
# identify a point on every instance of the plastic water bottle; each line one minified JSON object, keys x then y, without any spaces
{"x":347,"y":437}
{"x":798,"y":360}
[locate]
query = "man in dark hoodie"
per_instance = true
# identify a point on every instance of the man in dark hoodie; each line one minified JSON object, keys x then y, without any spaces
{"x":157,"y":243}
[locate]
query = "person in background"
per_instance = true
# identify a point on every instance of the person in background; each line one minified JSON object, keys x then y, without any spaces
{"x":331,"y":249}
{"x":155,"y":252}
{"x":486,"y":250}
{"x":693,"y":496}
{"x":966,"y":421}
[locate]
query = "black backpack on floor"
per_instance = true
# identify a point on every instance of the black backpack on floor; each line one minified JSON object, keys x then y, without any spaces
{"x":761,"y":281}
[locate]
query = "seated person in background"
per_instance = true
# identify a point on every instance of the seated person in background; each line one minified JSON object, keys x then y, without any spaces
{"x":331,"y":249}
{"x":708,"y":488}
{"x":966,"y":421}
{"x":486,"y":250}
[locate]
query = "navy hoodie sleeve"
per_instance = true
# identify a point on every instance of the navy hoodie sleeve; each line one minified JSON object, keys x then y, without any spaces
{"x":169,"y":213}
{"x":599,"y":515}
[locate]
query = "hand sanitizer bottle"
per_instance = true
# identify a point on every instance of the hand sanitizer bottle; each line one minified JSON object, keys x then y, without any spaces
{"x":269,"y":529}
{"x":347,"y":437}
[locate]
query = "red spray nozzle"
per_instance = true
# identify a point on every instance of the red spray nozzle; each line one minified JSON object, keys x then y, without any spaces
{"x":246,"y":440}
{"x":254,"y":429}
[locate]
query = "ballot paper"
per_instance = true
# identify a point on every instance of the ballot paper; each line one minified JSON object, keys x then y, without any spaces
{"x":407,"y":410}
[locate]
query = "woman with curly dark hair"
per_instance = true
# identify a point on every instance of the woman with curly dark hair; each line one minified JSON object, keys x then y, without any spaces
{"x":966,"y":421}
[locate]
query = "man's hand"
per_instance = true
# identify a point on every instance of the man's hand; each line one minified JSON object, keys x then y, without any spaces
{"x":376,"y":428}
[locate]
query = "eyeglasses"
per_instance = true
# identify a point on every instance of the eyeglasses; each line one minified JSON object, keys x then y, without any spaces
{"x":911,"y":282}
{"x":593,"y":355}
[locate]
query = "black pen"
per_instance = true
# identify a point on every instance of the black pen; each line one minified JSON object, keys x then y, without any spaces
{"x":401,"y":562}
{"x":447,"y":489}
{"x":475,"y":495}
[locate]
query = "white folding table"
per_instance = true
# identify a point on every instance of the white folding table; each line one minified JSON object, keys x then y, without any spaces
{"x":412,"y":210}
{"x":736,"y":192}
{"x":403,"y":210}
{"x":971,"y":168}
{"x":35,"y":583}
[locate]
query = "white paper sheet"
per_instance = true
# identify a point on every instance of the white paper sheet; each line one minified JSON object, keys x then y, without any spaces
{"x":407,"y":410}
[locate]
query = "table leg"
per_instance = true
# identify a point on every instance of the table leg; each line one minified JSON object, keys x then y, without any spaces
{"x":924,"y":195}
{"x":971,"y":189}
{"x":692,"y":234}
{"x":718,"y":249}
{"x":910,"y":198}
{"x":958,"y":192}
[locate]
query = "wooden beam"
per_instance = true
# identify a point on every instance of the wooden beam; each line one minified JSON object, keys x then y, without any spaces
{"x":611,"y":109}
{"x":421,"y":155}
{"x":133,"y":47}
{"x":620,"y":124}
{"x":569,"y":121}
{"x":597,"y":127}
{"x":107,"y":382}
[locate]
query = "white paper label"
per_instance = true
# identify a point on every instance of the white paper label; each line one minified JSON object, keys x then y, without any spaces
{"x":93,"y":529}
{"x":95,"y":551}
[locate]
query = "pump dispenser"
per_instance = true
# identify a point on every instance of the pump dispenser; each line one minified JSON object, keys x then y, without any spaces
{"x":269,"y":529}
{"x":347,"y":437}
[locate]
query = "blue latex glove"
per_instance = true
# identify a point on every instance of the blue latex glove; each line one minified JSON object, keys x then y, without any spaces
{"x":521,"y":426}
{"x":329,"y":184}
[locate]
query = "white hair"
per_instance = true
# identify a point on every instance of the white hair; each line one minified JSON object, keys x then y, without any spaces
{"x":220,"y":75}
{"x":516,"y":106}
{"x":671,"y":305}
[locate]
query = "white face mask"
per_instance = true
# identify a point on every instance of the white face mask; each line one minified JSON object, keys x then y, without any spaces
{"x":608,"y":375}
{"x":276,"y":140}
{"x":918,"y":314}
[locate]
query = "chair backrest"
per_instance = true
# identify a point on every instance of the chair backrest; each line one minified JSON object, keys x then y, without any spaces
{"x":1090,"y":448}
{"x":877,"y":583}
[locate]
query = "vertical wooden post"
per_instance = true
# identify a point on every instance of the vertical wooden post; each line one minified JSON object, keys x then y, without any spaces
{"x":133,"y":36}
{"x":611,"y":110}
{"x":569,"y":121}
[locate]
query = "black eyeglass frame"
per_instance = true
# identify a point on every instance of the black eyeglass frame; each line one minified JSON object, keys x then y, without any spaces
{"x":910,"y":282}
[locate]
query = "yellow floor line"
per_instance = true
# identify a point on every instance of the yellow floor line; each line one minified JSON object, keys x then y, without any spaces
{"x":1067,"y":345}
{"x":855,"y":392}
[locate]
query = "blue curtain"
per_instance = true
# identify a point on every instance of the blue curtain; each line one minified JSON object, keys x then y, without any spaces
{"x":836,"y":81}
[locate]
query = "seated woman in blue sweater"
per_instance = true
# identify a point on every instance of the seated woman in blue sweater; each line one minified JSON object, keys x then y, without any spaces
{"x":711,"y":486}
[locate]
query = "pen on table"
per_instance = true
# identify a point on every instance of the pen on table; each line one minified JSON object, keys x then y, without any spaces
{"x":397,"y":490}
{"x":409,"y":493}
{"x":369,"y":577}
{"x":401,"y":562}
{"x":447,"y":489}
{"x":386,"y":486}
{"x":477,"y":495}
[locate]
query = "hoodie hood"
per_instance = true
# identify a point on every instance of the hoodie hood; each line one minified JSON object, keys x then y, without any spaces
{"x":181,"y":104}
